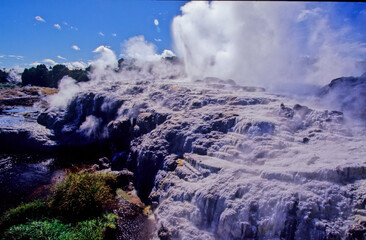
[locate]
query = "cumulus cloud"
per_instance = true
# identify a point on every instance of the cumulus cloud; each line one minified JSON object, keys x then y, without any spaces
{"x":34,"y":64}
{"x":57,"y":26}
{"x":101,"y":34}
{"x":60,"y":57}
{"x":16,"y":56}
{"x":39,"y":19}
{"x":50,"y":61}
{"x":76,"y":64}
{"x":263,"y":43}
{"x":156,"y":22}
{"x":75,"y":47}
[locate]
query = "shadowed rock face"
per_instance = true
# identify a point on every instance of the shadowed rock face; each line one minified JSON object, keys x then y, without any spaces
{"x":348,"y":94}
{"x":246,"y":171}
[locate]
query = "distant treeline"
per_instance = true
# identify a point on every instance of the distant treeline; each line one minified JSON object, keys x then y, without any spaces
{"x":44,"y":77}
{"x":50,"y":77}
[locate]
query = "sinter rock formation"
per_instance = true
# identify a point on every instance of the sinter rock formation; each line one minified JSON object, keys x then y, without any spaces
{"x":221,"y":161}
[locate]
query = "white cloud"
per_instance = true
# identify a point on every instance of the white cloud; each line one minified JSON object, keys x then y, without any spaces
{"x":157,"y":40}
{"x":34,"y":64}
{"x":65,"y":23}
{"x":50,"y":61}
{"x":76,"y":64}
{"x":17,"y":57}
{"x":75,"y":47}
{"x":1,"y":56}
{"x":60,"y":57}
{"x":114,"y":34}
{"x":101,"y":34}
{"x":39,"y":19}
{"x":57,"y":26}
{"x":156,"y":22}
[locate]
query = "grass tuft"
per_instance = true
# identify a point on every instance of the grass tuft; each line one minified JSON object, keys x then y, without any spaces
{"x":82,"y":195}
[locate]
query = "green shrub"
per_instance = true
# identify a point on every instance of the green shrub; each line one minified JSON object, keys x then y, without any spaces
{"x":95,"y":229}
{"x":81,"y":195}
{"x":21,"y":214}
{"x":40,"y":230}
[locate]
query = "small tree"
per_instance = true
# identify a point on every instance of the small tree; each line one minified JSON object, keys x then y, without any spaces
{"x":56,"y":74}
{"x":3,"y":76}
{"x":36,"y":76}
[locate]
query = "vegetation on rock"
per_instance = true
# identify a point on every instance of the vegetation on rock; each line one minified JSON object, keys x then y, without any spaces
{"x":82,"y":195}
{"x":76,"y":209}
{"x":98,"y":229}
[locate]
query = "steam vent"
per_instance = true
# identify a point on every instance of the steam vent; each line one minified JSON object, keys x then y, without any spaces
{"x":253,"y":128}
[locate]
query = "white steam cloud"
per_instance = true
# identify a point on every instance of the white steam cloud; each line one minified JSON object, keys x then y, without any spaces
{"x":90,"y":126}
{"x":106,"y":59}
{"x":15,"y":75}
{"x":67,"y":90}
{"x":140,"y":49}
{"x":269,"y":44}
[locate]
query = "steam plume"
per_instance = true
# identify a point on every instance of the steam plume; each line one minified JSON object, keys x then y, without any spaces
{"x":266,"y":44}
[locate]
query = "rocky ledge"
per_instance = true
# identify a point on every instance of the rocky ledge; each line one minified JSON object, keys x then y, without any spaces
{"x":220,"y":161}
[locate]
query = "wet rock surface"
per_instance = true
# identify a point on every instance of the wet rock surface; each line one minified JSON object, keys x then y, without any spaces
{"x":220,"y":161}
{"x":19,"y":131}
{"x":25,"y":177}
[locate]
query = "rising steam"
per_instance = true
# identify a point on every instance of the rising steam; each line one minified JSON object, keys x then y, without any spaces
{"x":274,"y":45}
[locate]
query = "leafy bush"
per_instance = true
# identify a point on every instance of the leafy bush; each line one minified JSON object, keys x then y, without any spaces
{"x":97,"y":229}
{"x":82,"y":195}
{"x":23,"y":213}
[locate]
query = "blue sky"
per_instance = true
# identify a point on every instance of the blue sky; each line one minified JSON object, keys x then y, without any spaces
{"x":38,"y":31}
{"x":33,"y":31}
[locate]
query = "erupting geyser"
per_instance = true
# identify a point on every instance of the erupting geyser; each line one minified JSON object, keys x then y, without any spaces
{"x":214,"y":151}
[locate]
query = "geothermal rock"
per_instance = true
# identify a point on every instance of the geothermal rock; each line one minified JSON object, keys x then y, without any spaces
{"x":221,"y":161}
{"x":348,"y":95}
